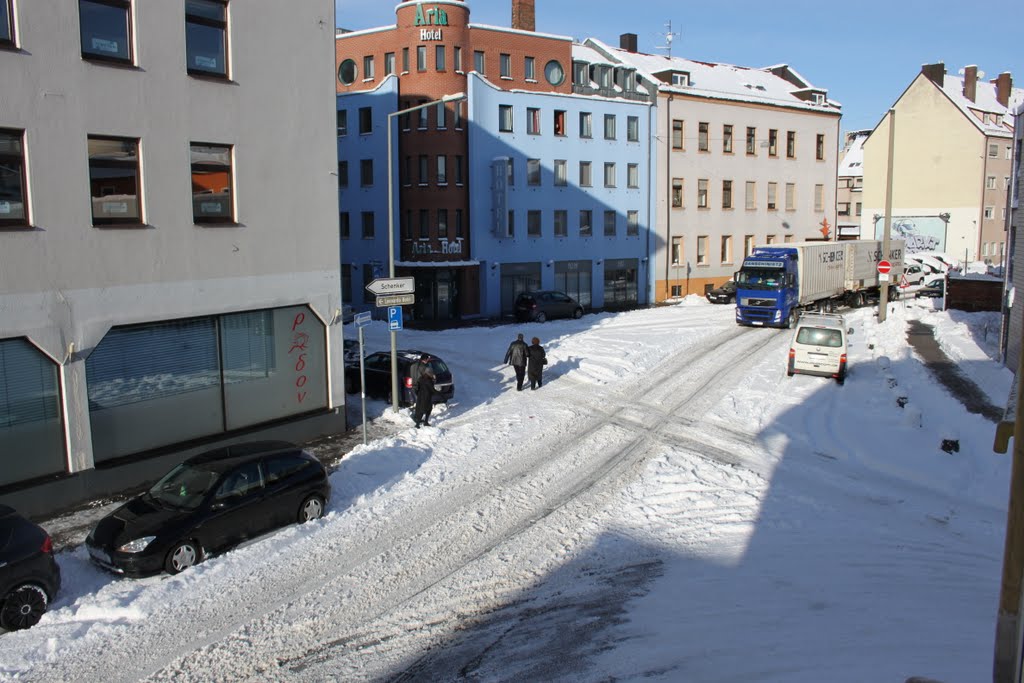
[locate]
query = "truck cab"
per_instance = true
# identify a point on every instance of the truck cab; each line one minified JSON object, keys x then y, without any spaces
{"x":766,"y":288}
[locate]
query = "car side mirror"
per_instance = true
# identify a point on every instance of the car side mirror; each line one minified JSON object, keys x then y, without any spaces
{"x":849,"y":331}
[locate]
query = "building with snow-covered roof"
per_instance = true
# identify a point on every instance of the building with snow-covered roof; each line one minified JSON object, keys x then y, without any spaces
{"x":850,"y":185}
{"x":742,"y":157}
{"x":952,"y":156}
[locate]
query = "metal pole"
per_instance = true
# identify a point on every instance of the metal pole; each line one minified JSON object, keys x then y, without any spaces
{"x":883,"y":287}
{"x":391,"y":258}
{"x":362,"y":380}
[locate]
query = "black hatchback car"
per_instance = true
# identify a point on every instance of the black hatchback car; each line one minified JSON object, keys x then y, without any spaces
{"x":725,"y":294}
{"x":208,"y":503}
{"x":541,"y":306}
{"x":29,"y":576}
{"x":378,"y":376}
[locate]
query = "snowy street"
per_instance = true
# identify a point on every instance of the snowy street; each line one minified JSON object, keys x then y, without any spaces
{"x":669,"y":506}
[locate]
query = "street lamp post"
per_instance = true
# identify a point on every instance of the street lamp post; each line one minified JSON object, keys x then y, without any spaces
{"x":391,"y":226}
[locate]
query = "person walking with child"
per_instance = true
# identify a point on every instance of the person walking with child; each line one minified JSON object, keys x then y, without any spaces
{"x":536,"y":360}
{"x":516,"y":357}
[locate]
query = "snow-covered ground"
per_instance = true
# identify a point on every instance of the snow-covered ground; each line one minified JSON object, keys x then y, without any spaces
{"x":669,"y":507}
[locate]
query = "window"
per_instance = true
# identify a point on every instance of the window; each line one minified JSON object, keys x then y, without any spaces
{"x":726,"y":254}
{"x":702,"y":136}
{"x":458,"y":169}
{"x":989,"y":212}
{"x":727,"y":139}
{"x":421,"y":57}
{"x":478,"y":62}
{"x":561,"y":223}
{"x":342,"y":174}
{"x":211,"y":183}
{"x":791,"y":144}
{"x":13,"y":204}
{"x":990,"y":182}
{"x":511,"y":223}
{"x":993,"y":150}
{"x":772,"y":196}
{"x":368,"y":70}
{"x":406,"y":224}
{"x":633,"y":176}
{"x":558,"y":125}
{"x":586,"y":120}
{"x":770,"y":239}
{"x":677,"y":193}
{"x":439,"y":57}
{"x":790,"y":197}
{"x":702,"y":250}
{"x":505,"y":65}
{"x":424,"y":224}
{"x":342,"y":123}
{"x":533,"y":172}
{"x":422,"y":116}
{"x":389,"y":63}
{"x":586,"y":223}
{"x":533,"y":223}
{"x":858,"y":208}
{"x":773,"y":142}
{"x":843,"y":208}
{"x":633,"y":128}
{"x":510,"y":179}
{"x":585,"y":179}
{"x":677,"y":250}
{"x":819,"y":198}
{"x":1009,"y":153}
{"x":6,"y":23}
{"x":458,"y":223}
{"x":751,"y":141}
{"x":457,"y":110}
{"x":442,"y":169}
{"x":609,"y":224}
{"x":530,"y":68}
{"x":505,"y":118}
{"x":424,"y":169}
{"x":750,"y":195}
{"x":366,"y":173}
{"x":580,"y":74}
{"x":106,"y":29}
{"x":442,"y":115}
{"x":561,"y":172}
{"x":442,"y":223}
{"x":114,"y":181}
{"x":819,"y":147}
{"x":702,"y":194}
{"x":206,"y":30}
{"x":344,"y":229}
{"x":726,"y":194}
{"x":609,"y":126}
{"x":532,"y":121}
{"x":554,"y":73}
{"x":680,"y":79}
{"x":457,"y":58}
{"x":368,"y":229}
{"x":365,"y":120}
{"x":407,"y":171}
{"x":677,"y":134}
{"x":609,"y":174}
{"x":405,"y":60}
{"x":632,"y":223}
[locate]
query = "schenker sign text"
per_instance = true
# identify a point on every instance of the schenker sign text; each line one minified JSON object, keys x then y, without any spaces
{"x":392,"y":285}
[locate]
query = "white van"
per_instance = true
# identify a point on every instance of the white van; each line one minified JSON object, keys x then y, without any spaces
{"x":819,"y":346}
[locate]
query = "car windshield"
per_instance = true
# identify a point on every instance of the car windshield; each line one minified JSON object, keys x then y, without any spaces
{"x":184,"y":487}
{"x":817,"y":336}
{"x":760,"y":278}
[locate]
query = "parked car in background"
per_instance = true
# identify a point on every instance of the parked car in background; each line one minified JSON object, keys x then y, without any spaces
{"x":725,"y":294}
{"x":209,"y":503}
{"x":819,"y":346}
{"x":933,"y":289}
{"x":546,"y":305}
{"x":29,"y":574}
{"x":914,"y":274}
{"x":378,"y":376}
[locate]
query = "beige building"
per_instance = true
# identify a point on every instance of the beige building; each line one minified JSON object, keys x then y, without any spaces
{"x":951,"y":165}
{"x":850,"y":186}
{"x":169,"y":264}
{"x":742,"y":157}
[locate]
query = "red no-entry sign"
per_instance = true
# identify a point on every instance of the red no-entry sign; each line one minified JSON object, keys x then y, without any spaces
{"x":884,"y":267}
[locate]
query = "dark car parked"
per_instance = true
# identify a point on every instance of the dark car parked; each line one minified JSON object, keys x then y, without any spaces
{"x":933,"y":289}
{"x":211,"y":502}
{"x":378,"y":376}
{"x":725,"y":294}
{"x":541,"y":306}
{"x":29,"y":576}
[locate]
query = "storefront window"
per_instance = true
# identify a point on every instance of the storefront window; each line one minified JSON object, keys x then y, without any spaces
{"x":31,"y":427}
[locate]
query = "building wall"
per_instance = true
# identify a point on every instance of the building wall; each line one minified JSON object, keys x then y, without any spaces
{"x":64,"y":282}
{"x":1014,"y":321}
{"x":690,"y":222}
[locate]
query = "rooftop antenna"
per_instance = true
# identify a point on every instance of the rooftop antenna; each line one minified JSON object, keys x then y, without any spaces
{"x":668,"y":36}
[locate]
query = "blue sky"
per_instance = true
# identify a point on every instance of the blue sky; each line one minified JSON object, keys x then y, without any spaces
{"x":865,"y":56}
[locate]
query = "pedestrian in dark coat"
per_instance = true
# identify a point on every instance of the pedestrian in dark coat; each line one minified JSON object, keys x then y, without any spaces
{"x":516,"y":356}
{"x":536,"y":360}
{"x":424,"y":397}
{"x":416,"y":368}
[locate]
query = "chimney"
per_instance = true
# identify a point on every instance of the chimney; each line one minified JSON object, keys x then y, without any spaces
{"x":936,"y":73}
{"x":971,"y":82}
{"x":523,"y":15}
{"x":627,"y":41}
{"x":1003,"y":83}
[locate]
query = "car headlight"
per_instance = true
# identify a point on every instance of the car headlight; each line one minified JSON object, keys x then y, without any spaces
{"x":138,"y":545}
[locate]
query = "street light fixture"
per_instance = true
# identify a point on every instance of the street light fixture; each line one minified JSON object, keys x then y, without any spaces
{"x":391,"y":225}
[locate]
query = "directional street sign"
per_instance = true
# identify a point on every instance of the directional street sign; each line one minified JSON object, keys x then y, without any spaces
{"x":362,"y":319}
{"x":395,"y":318}
{"x":392,"y":285}
{"x":395,"y":300}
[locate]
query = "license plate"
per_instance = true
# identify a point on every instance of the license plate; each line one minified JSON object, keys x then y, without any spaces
{"x":757,"y":322}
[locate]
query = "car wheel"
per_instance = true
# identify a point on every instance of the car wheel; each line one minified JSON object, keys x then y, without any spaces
{"x":182,"y":556}
{"x":23,"y":607}
{"x":578,"y":313}
{"x":312,"y":508}
{"x":789,"y":369}
{"x":841,"y":379}
{"x":541,"y":317}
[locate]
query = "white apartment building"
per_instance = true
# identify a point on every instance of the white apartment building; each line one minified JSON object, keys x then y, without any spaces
{"x":169,"y":269}
{"x":742,"y":156}
{"x":850,"y":186}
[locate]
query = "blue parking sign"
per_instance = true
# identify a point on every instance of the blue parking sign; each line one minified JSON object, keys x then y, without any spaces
{"x":394,"y":318}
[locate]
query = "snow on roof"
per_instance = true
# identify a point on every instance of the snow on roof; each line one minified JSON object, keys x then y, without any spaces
{"x":723,"y":81}
{"x":584,"y":53}
{"x":852,"y":163}
{"x":984,"y":101}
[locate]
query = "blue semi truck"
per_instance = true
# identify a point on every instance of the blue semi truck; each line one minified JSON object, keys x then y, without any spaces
{"x":777,"y":282}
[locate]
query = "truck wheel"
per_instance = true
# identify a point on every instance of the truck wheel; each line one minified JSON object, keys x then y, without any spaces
{"x":791,"y":320}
